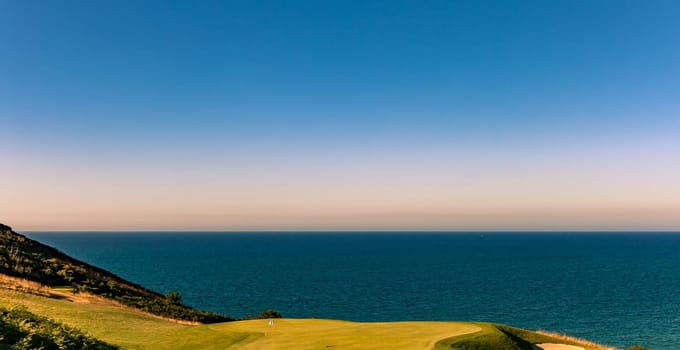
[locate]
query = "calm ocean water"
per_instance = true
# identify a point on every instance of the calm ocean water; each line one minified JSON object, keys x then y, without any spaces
{"x":615,"y":288}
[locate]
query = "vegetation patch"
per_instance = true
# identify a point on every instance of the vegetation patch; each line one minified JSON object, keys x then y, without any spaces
{"x":21,"y":329}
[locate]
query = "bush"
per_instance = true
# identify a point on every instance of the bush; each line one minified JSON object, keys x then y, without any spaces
{"x":637,"y":347}
{"x":269,"y":313}
{"x":173,"y":298}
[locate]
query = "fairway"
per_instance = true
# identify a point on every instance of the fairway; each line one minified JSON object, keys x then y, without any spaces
{"x":329,"y":334}
{"x":134,"y":330}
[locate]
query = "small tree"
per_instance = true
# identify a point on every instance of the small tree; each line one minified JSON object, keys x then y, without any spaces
{"x":66,"y":273}
{"x":637,"y":347}
{"x":173,"y":298}
{"x":269,"y":313}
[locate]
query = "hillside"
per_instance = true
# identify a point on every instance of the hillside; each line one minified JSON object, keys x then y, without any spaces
{"x":23,"y":257}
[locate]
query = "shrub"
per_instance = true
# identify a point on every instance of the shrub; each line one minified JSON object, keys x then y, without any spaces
{"x":269,"y":313}
{"x":173,"y":298}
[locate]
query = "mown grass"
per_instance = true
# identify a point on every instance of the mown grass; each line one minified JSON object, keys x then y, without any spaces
{"x":131,"y":329}
{"x":334,"y":334}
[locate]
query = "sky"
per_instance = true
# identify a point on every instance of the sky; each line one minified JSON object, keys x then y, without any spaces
{"x":340,"y":115}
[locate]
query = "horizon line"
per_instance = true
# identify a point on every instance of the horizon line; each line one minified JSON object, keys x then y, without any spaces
{"x":311,"y":231}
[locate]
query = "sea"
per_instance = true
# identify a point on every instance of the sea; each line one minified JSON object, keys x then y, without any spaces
{"x":618,"y":289}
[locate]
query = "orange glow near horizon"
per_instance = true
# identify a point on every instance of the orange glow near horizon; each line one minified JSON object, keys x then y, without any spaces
{"x":358,"y":195}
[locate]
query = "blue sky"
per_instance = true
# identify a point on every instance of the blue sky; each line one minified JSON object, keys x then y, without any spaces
{"x":273,"y":101}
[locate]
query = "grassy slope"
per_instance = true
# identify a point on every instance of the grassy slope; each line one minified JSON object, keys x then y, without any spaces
{"x":132,"y":329}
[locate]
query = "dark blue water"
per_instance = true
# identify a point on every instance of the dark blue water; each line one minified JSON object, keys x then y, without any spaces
{"x":618,"y":289}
